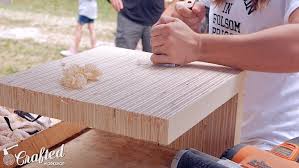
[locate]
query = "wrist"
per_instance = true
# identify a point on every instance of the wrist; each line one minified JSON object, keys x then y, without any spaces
{"x":198,"y":50}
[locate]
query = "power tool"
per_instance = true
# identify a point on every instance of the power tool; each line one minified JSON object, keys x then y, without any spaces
{"x":285,"y":155}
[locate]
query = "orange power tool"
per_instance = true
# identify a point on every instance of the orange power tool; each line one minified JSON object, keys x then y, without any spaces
{"x":285,"y":155}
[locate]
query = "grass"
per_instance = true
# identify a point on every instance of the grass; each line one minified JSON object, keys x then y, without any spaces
{"x":13,"y":23}
{"x":60,"y":8}
{"x":18,"y":55}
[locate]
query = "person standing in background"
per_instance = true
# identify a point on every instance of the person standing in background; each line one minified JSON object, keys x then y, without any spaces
{"x":88,"y":11}
{"x":134,"y":21}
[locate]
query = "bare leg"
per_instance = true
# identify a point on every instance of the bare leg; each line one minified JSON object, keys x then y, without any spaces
{"x":92,"y":35}
{"x":78,"y":35}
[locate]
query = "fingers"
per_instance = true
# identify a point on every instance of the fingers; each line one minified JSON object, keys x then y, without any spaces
{"x":114,"y":4}
{"x":160,"y":30}
{"x":183,"y":10}
{"x":117,"y":4}
{"x":165,"y":20}
{"x":192,"y":21}
{"x":199,"y":9}
{"x":160,"y":59}
{"x":160,"y":33}
{"x":160,"y":50}
{"x":158,"y":40}
{"x":193,"y":17}
{"x":121,"y":6}
{"x":162,"y":27}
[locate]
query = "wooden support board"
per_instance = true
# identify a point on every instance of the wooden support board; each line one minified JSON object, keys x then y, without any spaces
{"x":101,"y":149}
{"x":214,"y":134}
{"x":152,"y":103}
{"x":46,"y":138}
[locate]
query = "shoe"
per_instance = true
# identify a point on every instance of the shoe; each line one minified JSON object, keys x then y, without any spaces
{"x":67,"y":53}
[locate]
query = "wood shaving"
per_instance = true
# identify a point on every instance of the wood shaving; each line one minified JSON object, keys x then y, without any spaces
{"x":91,"y":72}
{"x":76,"y":77}
{"x":72,"y":70}
{"x":76,"y":81}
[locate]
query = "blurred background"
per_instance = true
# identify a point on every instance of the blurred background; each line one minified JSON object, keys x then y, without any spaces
{"x":35,"y":31}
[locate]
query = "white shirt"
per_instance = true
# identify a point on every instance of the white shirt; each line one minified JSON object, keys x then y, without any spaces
{"x":88,"y":8}
{"x":271,"y":100}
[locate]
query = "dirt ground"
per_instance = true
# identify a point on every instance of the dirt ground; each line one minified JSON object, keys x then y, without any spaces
{"x":29,"y":38}
{"x":45,"y":28}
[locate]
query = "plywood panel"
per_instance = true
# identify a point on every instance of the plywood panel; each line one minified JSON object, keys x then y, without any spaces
{"x":213,"y":135}
{"x":101,"y":149}
{"x":152,"y":103}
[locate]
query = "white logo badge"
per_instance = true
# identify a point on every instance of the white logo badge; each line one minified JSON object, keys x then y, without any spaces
{"x":44,"y":155}
{"x":9,"y":159}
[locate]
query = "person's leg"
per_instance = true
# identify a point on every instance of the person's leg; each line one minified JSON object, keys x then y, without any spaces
{"x":146,"y":39}
{"x":128,"y":33}
{"x":78,"y":33}
{"x":92,"y":35}
{"x":77,"y":40}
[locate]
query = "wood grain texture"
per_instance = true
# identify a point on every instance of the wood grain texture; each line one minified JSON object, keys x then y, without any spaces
{"x":105,"y":150}
{"x":239,"y":114}
{"x":134,"y":99}
{"x":46,"y":138}
{"x":214,"y":134}
{"x":95,"y":148}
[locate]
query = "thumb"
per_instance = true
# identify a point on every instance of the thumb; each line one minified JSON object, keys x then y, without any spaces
{"x":160,"y":59}
{"x":182,"y":10}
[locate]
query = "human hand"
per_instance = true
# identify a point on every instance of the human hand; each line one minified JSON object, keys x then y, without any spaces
{"x":117,"y":4}
{"x":192,"y":17}
{"x":173,"y":42}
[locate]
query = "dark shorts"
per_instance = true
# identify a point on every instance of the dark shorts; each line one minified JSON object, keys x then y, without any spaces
{"x":129,"y":33}
{"x":84,"y":20}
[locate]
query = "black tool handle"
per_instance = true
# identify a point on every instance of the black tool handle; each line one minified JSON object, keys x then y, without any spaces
{"x":195,"y":159}
{"x":8,"y":123}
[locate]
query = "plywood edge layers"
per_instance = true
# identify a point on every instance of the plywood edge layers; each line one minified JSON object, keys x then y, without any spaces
{"x":189,"y":117}
{"x":214,"y":134}
{"x":108,"y":119}
{"x":239,"y":113}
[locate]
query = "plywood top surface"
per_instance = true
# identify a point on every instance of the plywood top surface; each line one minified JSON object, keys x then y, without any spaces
{"x":129,"y":82}
{"x":133,"y":97}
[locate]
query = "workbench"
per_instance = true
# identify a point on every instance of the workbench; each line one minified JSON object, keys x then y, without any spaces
{"x":156,"y":108}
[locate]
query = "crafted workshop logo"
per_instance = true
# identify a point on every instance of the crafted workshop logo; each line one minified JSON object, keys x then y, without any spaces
{"x":43,"y":157}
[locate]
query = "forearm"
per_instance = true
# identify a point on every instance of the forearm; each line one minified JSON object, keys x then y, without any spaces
{"x":271,"y":50}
